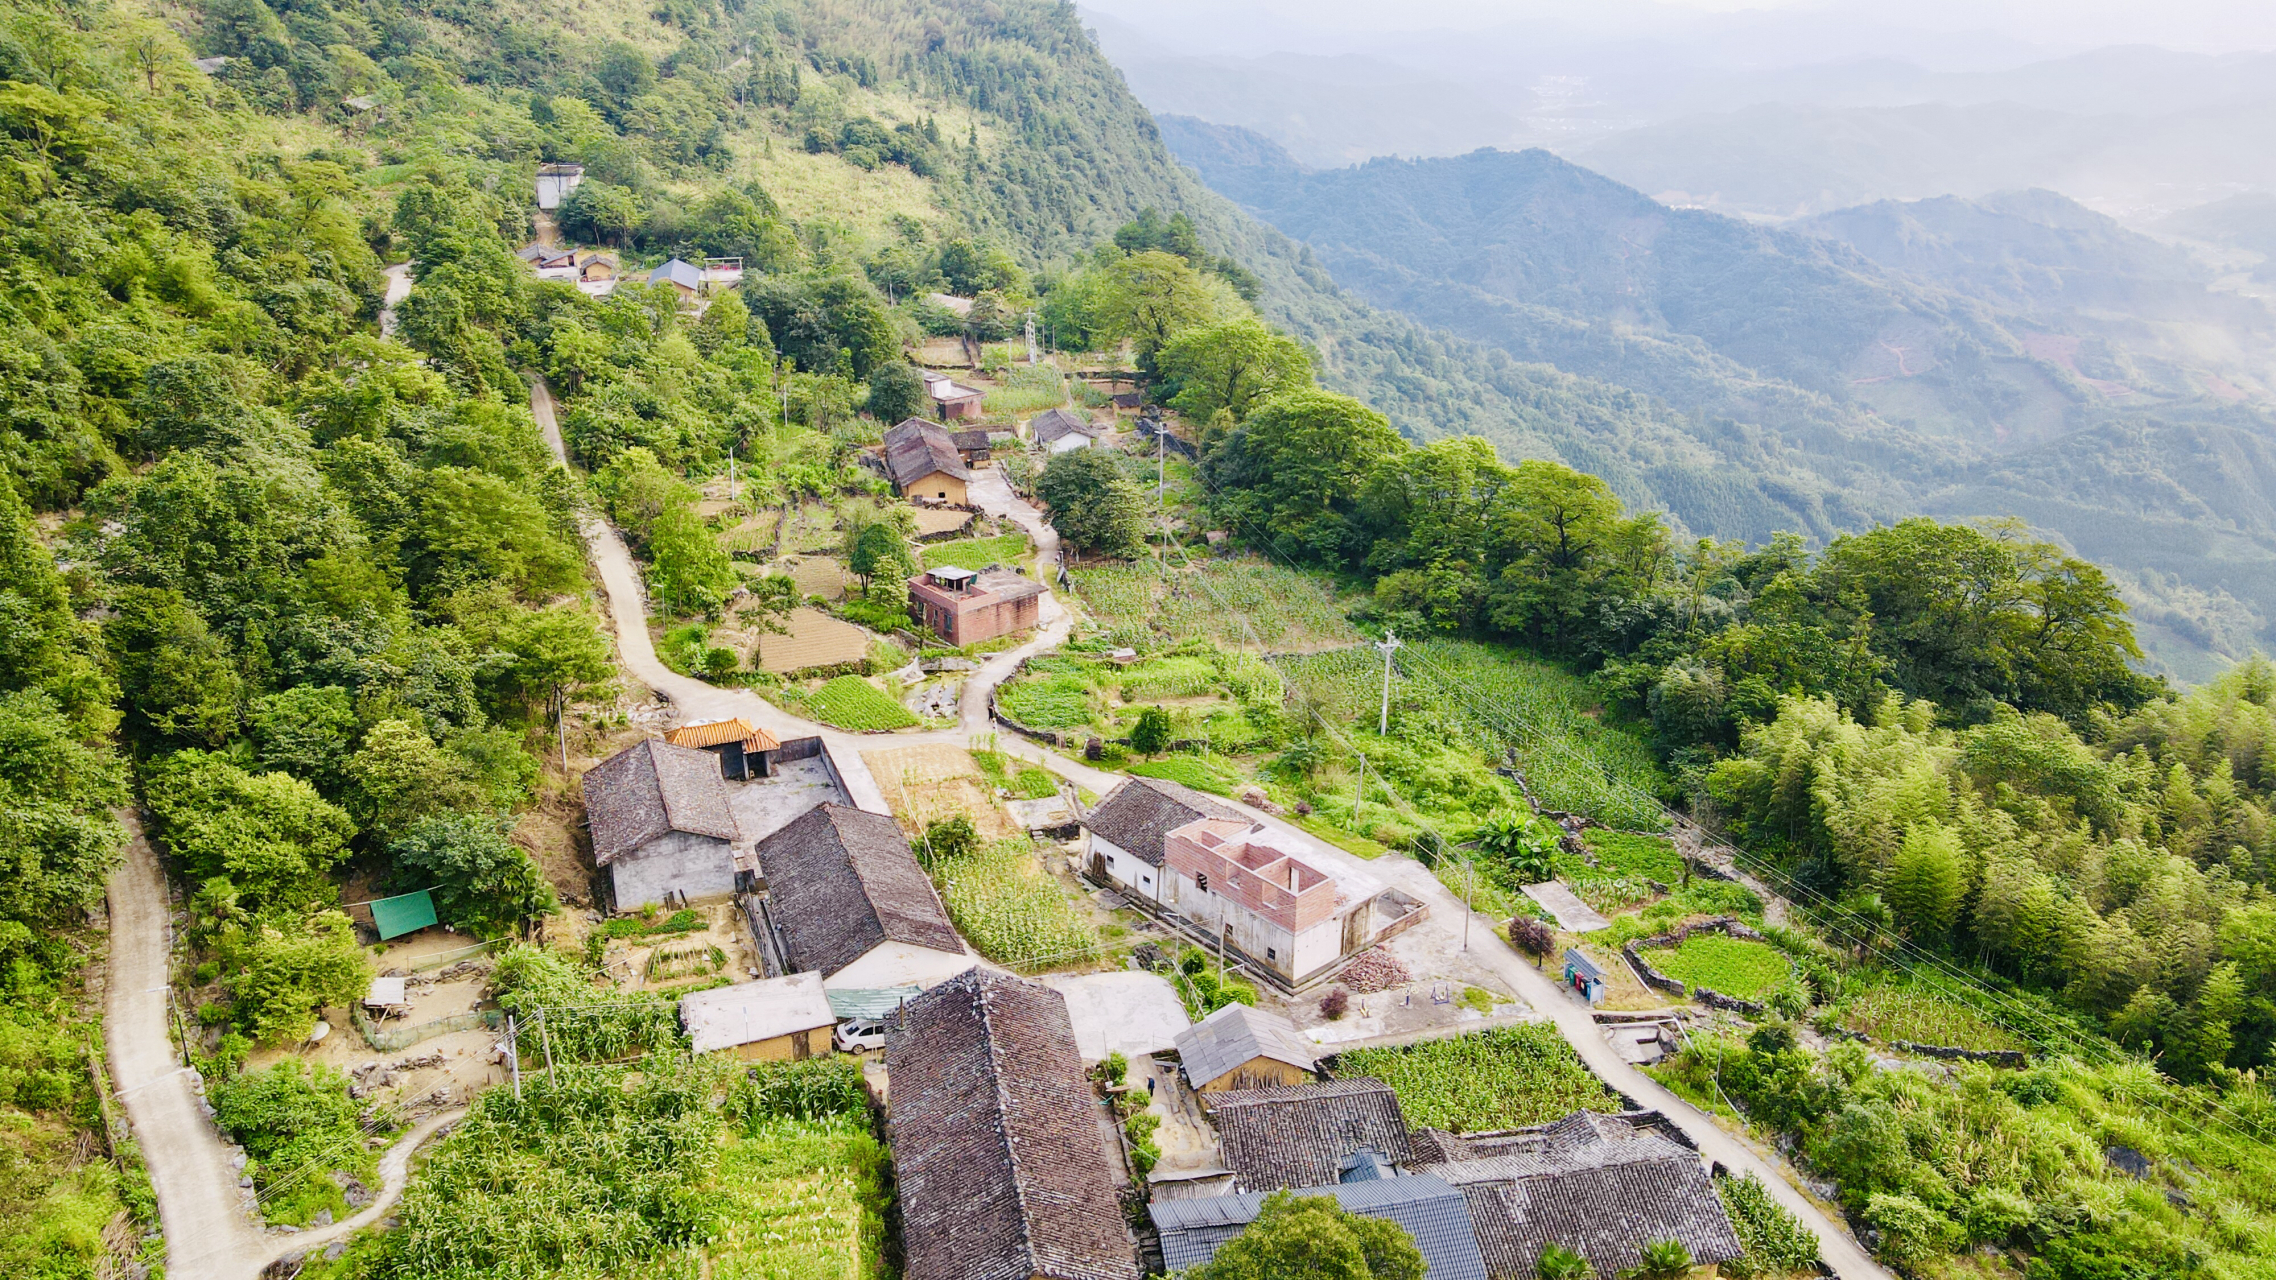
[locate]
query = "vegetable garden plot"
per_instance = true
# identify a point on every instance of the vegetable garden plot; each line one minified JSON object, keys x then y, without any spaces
{"x":1240,"y":604}
{"x":1732,"y":966}
{"x":850,"y":702}
{"x":1505,"y":1078}
{"x":976,"y":553}
{"x":815,"y":640}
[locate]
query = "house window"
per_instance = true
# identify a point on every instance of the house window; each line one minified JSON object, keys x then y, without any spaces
{"x":1271,"y":953}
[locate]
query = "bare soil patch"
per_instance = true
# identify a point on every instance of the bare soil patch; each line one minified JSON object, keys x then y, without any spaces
{"x":815,"y":640}
{"x":933,"y":781}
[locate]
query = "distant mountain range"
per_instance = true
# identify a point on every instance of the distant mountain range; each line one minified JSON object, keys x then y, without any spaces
{"x":2016,"y":355}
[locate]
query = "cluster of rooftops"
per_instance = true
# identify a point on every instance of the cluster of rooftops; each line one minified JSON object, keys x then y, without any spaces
{"x":1003,"y":1168}
{"x":1004,"y":1157}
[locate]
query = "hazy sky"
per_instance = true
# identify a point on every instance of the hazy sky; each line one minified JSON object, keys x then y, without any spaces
{"x":2055,"y":26}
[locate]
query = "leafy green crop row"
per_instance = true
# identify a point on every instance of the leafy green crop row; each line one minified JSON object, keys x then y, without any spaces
{"x":850,"y":702}
{"x":1504,"y":1078}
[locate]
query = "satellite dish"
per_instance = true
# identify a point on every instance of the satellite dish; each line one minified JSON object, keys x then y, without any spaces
{"x":317,"y":1033}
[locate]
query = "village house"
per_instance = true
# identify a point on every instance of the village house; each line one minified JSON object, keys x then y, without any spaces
{"x":771,"y":1020}
{"x":846,"y":899}
{"x":1265,"y":896}
{"x":964,"y":607}
{"x":685,"y":278}
{"x":1061,"y":430}
{"x":743,"y":751}
{"x":662,"y":826}
{"x":1601,"y":1185}
{"x":1242,"y":1047}
{"x":922,"y":462}
{"x":999,"y":1157}
{"x":972,"y":445}
{"x":555,"y":182}
{"x":952,"y":400}
{"x":1311,"y":1134}
{"x":1125,"y":833}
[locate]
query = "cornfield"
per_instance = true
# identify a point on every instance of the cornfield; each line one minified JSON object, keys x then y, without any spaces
{"x":1009,"y":908}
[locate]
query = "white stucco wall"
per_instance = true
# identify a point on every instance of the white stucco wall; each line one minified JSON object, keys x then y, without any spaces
{"x":1256,"y":936}
{"x":1126,"y":869}
{"x":698,"y":866}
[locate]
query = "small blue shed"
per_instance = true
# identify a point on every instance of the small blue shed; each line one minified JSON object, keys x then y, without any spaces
{"x":1582,"y":975}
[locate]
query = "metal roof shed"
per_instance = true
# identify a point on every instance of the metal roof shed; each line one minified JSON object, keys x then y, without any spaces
{"x":404,"y":913}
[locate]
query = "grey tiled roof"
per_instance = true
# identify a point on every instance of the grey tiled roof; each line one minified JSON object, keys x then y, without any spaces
{"x":1431,"y":1211}
{"x":1299,"y":1136}
{"x":997,"y":1148}
{"x":916,"y":448}
{"x":683,"y":274}
{"x":842,"y":881}
{"x":1051,"y":424}
{"x":651,"y":788}
{"x":1236,"y":1034}
{"x":1602,"y":1185}
{"x":975,"y":438}
{"x":1141,"y":812}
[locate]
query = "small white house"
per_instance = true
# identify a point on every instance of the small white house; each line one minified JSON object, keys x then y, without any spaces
{"x":555,"y":182}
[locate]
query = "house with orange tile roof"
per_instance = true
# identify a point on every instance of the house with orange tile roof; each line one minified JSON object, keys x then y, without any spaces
{"x":743,"y":750}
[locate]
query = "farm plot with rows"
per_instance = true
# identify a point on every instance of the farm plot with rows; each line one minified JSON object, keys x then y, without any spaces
{"x":815,"y":639}
{"x":976,"y":553}
{"x":1240,"y":604}
{"x":850,"y":702}
{"x":1009,"y":908}
{"x":751,"y":537}
{"x":1505,"y":1078}
{"x":1733,"y":966}
{"x":816,"y":576}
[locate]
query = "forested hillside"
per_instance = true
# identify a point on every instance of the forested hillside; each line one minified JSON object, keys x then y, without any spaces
{"x":311,"y":596}
{"x":2013,"y":357}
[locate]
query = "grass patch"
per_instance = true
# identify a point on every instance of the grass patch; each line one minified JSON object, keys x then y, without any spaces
{"x":850,"y":702}
{"x":1505,"y":1078}
{"x":1733,"y":966}
{"x":1901,"y":1009}
{"x":1624,"y":853}
{"x":1054,"y":696}
{"x":1192,"y":771}
{"x":1009,"y":908}
{"x":976,"y":553}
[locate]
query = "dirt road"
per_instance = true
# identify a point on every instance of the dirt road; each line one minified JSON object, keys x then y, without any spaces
{"x":208,"y":1236}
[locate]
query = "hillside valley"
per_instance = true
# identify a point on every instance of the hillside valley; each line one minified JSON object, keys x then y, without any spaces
{"x":2016,"y":356}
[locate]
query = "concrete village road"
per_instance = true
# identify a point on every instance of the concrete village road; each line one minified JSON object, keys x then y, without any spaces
{"x":703,"y":701}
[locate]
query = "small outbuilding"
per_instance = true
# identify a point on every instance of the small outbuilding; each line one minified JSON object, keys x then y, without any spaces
{"x":1241,"y":1047}
{"x":1582,"y":975}
{"x":952,"y":400}
{"x":1061,"y":430}
{"x":772,"y":1020}
{"x":743,"y":751}
{"x":973,"y":445}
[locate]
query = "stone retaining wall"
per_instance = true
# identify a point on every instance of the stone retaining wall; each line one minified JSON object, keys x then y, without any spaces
{"x":1728,"y":925}
{"x":1996,"y":1057}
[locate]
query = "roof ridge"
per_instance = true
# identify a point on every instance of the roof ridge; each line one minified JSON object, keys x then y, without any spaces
{"x":981,"y":986}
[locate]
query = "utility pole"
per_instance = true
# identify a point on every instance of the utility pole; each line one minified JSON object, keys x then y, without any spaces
{"x":545,"y":1034}
{"x":561,"y":726}
{"x":1389,"y":644}
{"x":730,"y":473}
{"x":1162,"y":490}
{"x":514,"y":1054}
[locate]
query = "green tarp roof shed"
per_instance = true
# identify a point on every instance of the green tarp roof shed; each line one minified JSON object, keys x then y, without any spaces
{"x":404,"y":913}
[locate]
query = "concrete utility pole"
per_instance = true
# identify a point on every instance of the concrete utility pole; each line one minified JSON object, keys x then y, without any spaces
{"x":1389,"y":644}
